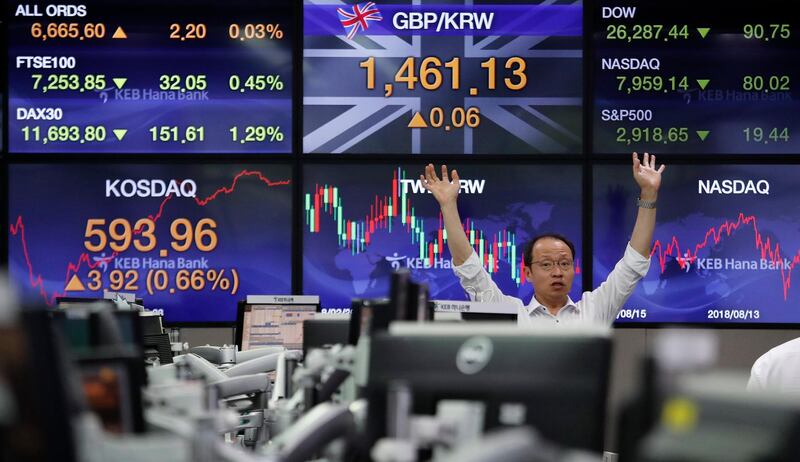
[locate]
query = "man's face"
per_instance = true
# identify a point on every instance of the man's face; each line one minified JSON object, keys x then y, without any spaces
{"x":557,"y":282}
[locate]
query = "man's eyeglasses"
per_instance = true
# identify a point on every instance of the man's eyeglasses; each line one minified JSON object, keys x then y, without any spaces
{"x":549,"y":266}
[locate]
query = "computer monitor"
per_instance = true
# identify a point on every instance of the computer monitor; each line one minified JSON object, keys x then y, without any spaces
{"x":112,"y":380}
{"x":319,"y":333}
{"x":408,"y":301}
{"x":711,"y":416}
{"x":107,"y":347}
{"x":273,"y":320}
{"x":377,"y":311}
{"x":553,"y":380}
{"x":37,"y":377}
{"x":88,"y":325}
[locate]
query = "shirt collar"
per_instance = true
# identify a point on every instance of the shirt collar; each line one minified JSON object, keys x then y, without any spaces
{"x":534,"y":305}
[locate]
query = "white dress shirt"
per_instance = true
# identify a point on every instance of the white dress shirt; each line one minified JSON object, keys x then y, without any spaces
{"x":777,"y":370}
{"x":599,"y":306}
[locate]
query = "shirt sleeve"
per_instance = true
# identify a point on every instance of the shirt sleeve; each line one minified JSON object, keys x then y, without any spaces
{"x":606,"y":300}
{"x":479,"y":285}
{"x":756,"y":383}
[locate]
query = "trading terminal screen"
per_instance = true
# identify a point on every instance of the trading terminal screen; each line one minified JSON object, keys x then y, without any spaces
{"x":689,"y":77}
{"x":275,"y":325}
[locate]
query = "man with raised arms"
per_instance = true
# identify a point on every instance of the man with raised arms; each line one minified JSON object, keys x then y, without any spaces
{"x":549,"y":258}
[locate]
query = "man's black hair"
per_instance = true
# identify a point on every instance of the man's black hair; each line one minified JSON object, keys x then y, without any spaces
{"x":528,"y":255}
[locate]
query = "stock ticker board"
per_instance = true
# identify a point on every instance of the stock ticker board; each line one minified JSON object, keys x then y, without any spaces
{"x":363,"y":222}
{"x":687,"y":77}
{"x":150,"y":77}
{"x":422,"y":77}
{"x":725,"y":246}
{"x":191,"y":240}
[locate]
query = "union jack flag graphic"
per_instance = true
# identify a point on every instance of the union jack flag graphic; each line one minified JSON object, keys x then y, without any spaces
{"x":357,"y":19}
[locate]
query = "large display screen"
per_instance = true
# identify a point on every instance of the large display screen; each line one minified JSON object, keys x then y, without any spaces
{"x":695,"y":77}
{"x":247,"y":103}
{"x":725,"y":246}
{"x":104,"y":76}
{"x":188,"y":239}
{"x":363,"y":222}
{"x":449,"y":77}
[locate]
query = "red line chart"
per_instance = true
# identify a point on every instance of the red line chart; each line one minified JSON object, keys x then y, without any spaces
{"x":770,"y":251}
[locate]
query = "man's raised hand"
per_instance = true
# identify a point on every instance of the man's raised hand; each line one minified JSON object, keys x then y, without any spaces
{"x":445,"y":190}
{"x":646,"y":175}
